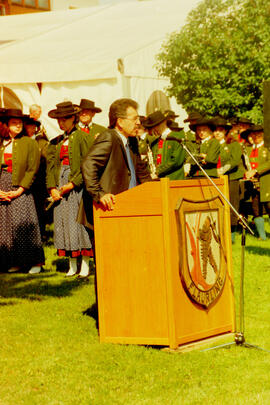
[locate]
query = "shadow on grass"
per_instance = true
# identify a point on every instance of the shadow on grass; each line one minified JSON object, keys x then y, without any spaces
{"x":259,"y":250}
{"x":36,"y":287}
{"x":61,"y":264}
{"x":92,"y":312}
{"x":6,"y":303}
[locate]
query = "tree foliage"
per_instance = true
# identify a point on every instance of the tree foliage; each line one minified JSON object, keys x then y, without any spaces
{"x":218,"y":61}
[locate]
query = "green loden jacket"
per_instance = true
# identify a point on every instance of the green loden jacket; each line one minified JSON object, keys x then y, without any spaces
{"x":263,"y":170}
{"x":231,"y":155}
{"x":25,"y":161}
{"x":94,"y":131}
{"x":172,"y":157}
{"x":77,"y":149}
{"x":211,"y":148}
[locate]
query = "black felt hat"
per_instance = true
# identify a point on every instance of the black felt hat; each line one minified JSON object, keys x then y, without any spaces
{"x":193,"y":116}
{"x":30,"y":121}
{"x":247,"y":132}
{"x":170,"y":114}
{"x":2,"y":114}
{"x":65,"y":109}
{"x":89,"y":105}
{"x":221,"y":122}
{"x":241,"y":120}
{"x":202,"y":121}
{"x":174,"y":126}
{"x":154,"y":119}
{"x":14,"y":113}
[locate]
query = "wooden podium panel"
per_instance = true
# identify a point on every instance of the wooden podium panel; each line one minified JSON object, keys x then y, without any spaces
{"x":198,"y":323}
{"x":141,"y":296}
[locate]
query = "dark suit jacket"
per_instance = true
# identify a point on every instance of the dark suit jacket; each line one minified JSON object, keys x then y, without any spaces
{"x":105,"y":170}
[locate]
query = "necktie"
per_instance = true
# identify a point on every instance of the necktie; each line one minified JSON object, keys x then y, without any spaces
{"x":133,"y":181}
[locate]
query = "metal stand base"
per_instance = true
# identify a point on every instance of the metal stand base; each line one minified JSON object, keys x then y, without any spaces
{"x":239,"y":340}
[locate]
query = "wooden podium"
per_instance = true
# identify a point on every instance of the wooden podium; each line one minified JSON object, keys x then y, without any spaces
{"x":141,"y":295}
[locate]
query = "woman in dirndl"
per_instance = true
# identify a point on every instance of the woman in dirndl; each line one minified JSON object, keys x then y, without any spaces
{"x":64,"y":183}
{"x":20,"y":240}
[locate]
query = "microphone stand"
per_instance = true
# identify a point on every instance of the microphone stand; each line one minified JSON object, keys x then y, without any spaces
{"x":239,"y":337}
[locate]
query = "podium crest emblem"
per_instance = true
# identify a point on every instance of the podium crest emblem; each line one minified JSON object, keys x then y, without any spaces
{"x":202,"y":261}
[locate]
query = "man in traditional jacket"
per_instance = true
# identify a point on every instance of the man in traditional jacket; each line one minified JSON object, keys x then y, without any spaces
{"x":144,"y":142}
{"x":35,"y":112}
{"x":86,"y":115}
{"x":192,"y":118}
{"x":229,"y":163}
{"x":259,"y":157}
{"x":208,"y":149}
{"x":168,"y":155}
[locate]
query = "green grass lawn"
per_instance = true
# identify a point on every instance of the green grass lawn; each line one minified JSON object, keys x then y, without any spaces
{"x":50,"y":351}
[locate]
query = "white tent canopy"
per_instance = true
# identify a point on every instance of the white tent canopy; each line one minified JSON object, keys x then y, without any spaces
{"x":20,"y":27}
{"x":101,"y":53}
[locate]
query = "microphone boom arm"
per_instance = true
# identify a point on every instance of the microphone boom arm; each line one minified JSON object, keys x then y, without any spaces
{"x":239,"y":216}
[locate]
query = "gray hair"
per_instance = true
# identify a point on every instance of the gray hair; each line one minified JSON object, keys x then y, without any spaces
{"x":34,"y":107}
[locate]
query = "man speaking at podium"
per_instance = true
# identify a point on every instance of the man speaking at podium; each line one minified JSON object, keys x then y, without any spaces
{"x":113,"y":163}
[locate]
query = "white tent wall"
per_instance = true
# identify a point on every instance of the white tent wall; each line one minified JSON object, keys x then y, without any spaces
{"x":102,"y":92}
{"x":139,"y":68}
{"x":142,"y":88}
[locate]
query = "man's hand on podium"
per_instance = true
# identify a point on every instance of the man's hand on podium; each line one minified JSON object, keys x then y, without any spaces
{"x":108,"y":201}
